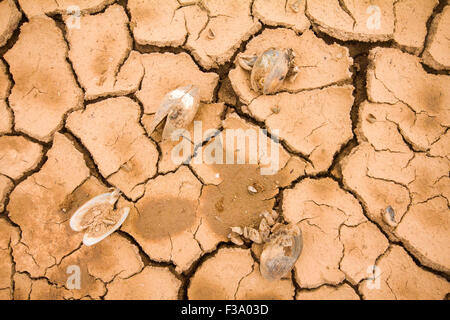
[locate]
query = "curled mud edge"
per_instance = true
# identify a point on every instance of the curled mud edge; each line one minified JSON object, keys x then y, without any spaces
{"x":361,"y":134}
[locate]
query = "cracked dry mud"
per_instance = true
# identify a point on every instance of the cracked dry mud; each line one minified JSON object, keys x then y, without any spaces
{"x":361,"y":138}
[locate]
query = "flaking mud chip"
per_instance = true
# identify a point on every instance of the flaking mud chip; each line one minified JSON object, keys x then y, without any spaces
{"x":269,"y":218}
{"x":236,"y":238}
{"x":264,"y":230}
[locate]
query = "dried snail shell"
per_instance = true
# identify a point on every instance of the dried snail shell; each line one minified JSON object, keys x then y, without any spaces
{"x":180,"y":107}
{"x":281,"y":252}
{"x":99,"y":218}
{"x":270,"y":69}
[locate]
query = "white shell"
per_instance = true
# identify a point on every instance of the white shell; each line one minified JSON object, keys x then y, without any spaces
{"x":270,"y":70}
{"x":110,"y":197}
{"x":269,"y":218}
{"x":180,"y":107}
{"x":89,"y":241}
{"x":105,"y":198}
{"x":281,"y":252}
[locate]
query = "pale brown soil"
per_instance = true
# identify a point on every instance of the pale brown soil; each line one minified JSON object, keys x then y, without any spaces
{"x":363,"y":127}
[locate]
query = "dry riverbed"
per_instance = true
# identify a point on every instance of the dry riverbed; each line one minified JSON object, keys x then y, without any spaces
{"x":362,"y":144}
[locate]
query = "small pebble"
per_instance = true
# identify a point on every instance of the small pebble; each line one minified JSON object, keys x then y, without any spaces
{"x":274,"y":215}
{"x":254,"y":235}
{"x":237,"y":230}
{"x":275,"y":109}
{"x":211,"y":34}
{"x":252,"y":190}
{"x":268,"y":217}
{"x":264,"y":230}
{"x":236,"y":239}
{"x":389,"y":217}
{"x":371,"y":118}
{"x":219,"y":205}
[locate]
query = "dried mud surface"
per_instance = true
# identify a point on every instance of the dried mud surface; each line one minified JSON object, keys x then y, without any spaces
{"x":361,"y":131}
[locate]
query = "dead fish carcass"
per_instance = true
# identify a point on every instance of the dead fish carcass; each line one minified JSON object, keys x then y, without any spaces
{"x":180,"y":107}
{"x":270,"y":69}
{"x":99,"y":218}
